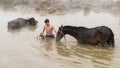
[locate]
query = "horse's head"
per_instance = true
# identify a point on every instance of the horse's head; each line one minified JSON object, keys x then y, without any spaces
{"x":60,"y":33}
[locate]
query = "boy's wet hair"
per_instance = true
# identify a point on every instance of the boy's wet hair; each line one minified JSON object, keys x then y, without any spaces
{"x":46,"y":20}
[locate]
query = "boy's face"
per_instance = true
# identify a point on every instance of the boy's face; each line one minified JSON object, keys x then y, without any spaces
{"x":47,"y":23}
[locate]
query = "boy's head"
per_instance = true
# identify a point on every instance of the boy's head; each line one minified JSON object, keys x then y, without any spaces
{"x":47,"y":22}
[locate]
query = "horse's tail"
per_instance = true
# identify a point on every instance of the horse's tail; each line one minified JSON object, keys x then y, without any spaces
{"x":112,"y":42}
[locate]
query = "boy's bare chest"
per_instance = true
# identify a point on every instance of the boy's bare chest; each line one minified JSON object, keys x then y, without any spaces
{"x":48,"y":28}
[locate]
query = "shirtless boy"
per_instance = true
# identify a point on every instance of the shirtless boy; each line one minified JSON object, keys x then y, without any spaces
{"x":49,"y":29}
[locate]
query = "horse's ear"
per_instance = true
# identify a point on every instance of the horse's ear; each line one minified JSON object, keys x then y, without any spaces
{"x":62,"y":25}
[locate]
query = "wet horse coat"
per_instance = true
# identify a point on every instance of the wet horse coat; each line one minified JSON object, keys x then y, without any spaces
{"x":93,"y":36}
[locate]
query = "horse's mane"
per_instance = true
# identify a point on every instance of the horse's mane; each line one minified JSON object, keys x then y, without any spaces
{"x":75,"y":27}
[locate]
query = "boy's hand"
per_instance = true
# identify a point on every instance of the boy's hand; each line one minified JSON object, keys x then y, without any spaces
{"x":41,"y":33}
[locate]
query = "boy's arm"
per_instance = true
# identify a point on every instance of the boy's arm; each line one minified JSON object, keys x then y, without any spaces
{"x":43,"y":30}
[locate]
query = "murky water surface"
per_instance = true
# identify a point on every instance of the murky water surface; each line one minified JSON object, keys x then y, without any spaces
{"x":21,"y":49}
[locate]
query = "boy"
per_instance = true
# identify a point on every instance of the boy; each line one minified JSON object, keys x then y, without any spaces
{"x":49,"y":29}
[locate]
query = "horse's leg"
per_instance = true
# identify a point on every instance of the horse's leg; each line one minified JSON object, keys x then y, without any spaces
{"x":103,"y":44}
{"x":110,"y":42}
{"x":106,"y":44}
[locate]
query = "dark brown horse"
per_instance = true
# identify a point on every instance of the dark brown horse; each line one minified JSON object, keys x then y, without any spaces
{"x":93,"y":36}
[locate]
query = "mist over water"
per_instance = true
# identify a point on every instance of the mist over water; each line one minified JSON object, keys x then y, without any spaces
{"x":61,"y":6}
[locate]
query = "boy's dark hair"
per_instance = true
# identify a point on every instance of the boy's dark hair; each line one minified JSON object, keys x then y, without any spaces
{"x":46,"y":20}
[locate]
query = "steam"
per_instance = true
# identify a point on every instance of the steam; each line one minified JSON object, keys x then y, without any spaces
{"x":60,"y":6}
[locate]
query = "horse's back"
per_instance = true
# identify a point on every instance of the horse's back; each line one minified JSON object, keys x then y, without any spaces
{"x":104,"y":30}
{"x":96,"y":35}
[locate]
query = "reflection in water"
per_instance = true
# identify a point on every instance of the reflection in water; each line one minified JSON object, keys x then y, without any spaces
{"x":99,"y":57}
{"x":14,"y":31}
{"x":99,"y":53}
{"x":47,"y":43}
{"x":31,"y":28}
{"x":62,"y":49}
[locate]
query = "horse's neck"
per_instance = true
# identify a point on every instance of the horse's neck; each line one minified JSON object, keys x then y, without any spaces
{"x":71,"y":32}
